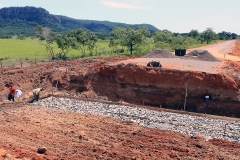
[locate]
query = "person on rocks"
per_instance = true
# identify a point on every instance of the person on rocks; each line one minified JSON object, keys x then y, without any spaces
{"x":18,"y":95}
{"x":36,"y":93}
{"x":11,"y":93}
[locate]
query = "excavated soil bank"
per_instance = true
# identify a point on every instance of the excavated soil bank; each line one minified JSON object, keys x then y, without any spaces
{"x":236,"y":49}
{"x":118,"y":79}
{"x":167,"y":88}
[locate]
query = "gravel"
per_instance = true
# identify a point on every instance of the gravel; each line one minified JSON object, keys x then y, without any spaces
{"x":202,"y":55}
{"x":206,"y":127}
{"x":159,"y":54}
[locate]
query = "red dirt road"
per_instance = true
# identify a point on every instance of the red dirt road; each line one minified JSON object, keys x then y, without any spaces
{"x":75,"y":136}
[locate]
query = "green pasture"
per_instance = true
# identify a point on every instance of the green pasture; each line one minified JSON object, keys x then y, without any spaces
{"x":30,"y":49}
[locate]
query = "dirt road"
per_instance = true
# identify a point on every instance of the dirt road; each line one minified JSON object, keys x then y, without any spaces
{"x":220,"y":50}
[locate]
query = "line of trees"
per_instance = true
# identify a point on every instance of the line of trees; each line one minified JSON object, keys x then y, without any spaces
{"x":79,"y":40}
{"x":129,"y":38}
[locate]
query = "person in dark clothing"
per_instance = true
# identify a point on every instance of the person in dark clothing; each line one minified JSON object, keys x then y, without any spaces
{"x":11,"y":93}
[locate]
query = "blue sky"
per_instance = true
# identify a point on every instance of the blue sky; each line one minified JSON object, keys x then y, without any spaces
{"x":174,"y":15}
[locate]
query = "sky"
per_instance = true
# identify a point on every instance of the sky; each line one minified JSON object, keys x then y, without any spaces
{"x":174,"y":15}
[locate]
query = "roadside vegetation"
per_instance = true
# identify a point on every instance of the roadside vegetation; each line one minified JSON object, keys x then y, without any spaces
{"x":80,"y":43}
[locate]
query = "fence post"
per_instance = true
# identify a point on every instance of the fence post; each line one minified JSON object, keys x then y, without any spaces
{"x":185,"y":101}
{"x":21,"y":62}
{"x":1,"y":63}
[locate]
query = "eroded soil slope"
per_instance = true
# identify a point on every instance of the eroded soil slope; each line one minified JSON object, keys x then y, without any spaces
{"x":118,"y":79}
{"x":74,"y":136}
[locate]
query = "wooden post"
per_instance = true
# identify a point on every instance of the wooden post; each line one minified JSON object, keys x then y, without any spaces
{"x":35,"y":61}
{"x":185,"y":98}
{"x":1,"y":63}
{"x":21,"y":62}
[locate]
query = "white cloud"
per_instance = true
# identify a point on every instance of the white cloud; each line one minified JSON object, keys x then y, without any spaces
{"x":123,"y":5}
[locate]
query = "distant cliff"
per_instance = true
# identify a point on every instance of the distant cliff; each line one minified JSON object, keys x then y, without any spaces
{"x":22,"y":20}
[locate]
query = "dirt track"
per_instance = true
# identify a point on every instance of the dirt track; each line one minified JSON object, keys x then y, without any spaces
{"x":220,"y":49}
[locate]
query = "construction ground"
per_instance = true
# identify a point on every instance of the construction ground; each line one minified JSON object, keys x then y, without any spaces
{"x":127,"y":81}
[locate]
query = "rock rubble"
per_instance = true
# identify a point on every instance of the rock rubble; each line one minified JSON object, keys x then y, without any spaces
{"x":206,"y":127}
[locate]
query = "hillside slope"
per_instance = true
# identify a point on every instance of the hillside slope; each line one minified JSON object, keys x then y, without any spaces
{"x":22,"y":20}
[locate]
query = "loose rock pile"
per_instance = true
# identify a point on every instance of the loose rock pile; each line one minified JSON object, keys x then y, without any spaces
{"x":202,"y":55}
{"x":183,"y":124}
{"x":160,"y":54}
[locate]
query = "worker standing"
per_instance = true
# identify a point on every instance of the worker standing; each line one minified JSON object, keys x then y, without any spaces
{"x":11,"y":93}
{"x":36,"y":93}
{"x":18,"y":95}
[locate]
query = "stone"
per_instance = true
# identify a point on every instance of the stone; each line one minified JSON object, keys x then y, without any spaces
{"x":42,"y":150}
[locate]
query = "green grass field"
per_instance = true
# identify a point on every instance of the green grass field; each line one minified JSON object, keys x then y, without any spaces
{"x":11,"y":50}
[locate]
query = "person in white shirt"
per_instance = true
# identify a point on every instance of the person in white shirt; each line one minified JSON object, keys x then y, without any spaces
{"x":18,"y":95}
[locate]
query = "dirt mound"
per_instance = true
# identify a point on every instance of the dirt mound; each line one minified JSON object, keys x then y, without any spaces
{"x":202,"y":55}
{"x":160,"y":54}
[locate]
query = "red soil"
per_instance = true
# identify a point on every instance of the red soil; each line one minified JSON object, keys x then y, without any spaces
{"x":75,"y":136}
{"x":236,"y":49}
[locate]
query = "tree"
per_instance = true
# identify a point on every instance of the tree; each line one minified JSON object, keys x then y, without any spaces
{"x":164,"y":36}
{"x":92,"y":39}
{"x":178,"y":42}
{"x":83,"y":40}
{"x":190,"y":41}
{"x":21,"y":37}
{"x":209,"y":35}
{"x":45,"y":37}
{"x":193,"y":33}
{"x":64,"y":43}
{"x":130,"y":37}
{"x":200,"y":38}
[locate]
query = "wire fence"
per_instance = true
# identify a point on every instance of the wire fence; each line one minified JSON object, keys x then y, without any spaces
{"x":21,"y":62}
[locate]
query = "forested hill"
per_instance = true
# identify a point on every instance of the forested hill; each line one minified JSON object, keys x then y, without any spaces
{"x":22,"y":20}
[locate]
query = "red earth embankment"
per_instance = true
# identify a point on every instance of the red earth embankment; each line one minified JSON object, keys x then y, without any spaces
{"x":236,"y":49}
{"x":104,"y":79}
{"x":166,"y":87}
